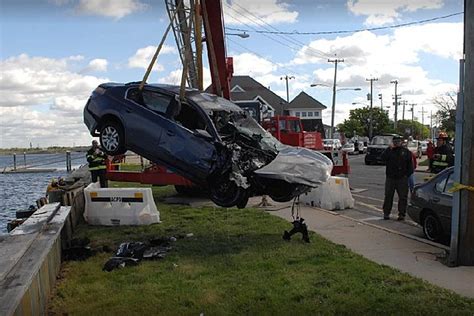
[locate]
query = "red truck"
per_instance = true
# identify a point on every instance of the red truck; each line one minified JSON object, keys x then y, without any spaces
{"x":289,"y":131}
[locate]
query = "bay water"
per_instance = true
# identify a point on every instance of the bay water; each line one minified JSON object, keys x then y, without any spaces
{"x":20,"y":190}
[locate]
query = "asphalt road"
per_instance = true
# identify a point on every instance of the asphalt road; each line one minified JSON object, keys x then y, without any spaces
{"x":367,"y":184}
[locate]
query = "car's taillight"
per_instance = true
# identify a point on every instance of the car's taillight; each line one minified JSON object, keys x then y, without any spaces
{"x":99,"y":90}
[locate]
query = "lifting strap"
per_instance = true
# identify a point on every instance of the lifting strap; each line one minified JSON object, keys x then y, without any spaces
{"x":155,"y":56}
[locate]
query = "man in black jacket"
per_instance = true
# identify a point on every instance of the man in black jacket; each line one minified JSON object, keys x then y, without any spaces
{"x":96,"y":159}
{"x":399,"y":167}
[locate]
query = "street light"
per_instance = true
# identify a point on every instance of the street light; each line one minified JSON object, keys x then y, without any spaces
{"x":333,"y":110}
{"x":241,"y":35}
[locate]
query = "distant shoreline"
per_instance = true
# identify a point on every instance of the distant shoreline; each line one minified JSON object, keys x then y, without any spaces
{"x":49,"y":150}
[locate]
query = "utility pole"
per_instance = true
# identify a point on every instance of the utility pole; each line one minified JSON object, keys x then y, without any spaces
{"x":371,"y":123}
{"x":395,"y":81}
{"x":286,"y":77}
{"x":404,"y":103}
{"x":412,"y":118}
{"x":431,"y":124}
{"x":462,"y":236}
{"x":333,"y":110}
{"x":422,"y":119}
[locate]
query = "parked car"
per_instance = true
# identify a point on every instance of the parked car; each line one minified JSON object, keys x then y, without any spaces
{"x":412,"y":145}
{"x":332,"y":144}
{"x":376,"y":147}
{"x":206,"y":139}
{"x":359,"y":147}
{"x":422,"y":148}
{"x":349,"y":148}
{"x":431,"y":203}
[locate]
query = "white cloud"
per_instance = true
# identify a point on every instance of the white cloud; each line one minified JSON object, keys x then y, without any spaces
{"x":143,"y":56}
{"x":109,"y":8}
{"x":97,"y":64}
{"x":399,"y":55}
{"x":254,"y":12}
{"x":42,"y":100}
{"x":252,"y":65}
{"x":382,"y":12}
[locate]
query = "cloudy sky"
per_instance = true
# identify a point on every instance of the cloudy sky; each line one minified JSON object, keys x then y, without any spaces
{"x":53,"y":53}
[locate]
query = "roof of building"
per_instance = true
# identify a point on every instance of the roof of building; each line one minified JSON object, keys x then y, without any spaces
{"x":305,"y":101}
{"x":245,"y":88}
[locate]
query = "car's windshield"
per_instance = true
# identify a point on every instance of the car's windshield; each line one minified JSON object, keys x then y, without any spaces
{"x":348,"y":145}
{"x":328,"y":141}
{"x":382,"y":140}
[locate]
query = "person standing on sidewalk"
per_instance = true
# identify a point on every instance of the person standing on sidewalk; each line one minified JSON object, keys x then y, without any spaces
{"x":97,"y":165}
{"x":399,"y":166}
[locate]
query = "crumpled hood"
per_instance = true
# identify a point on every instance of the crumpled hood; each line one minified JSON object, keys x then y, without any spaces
{"x":298,"y":165}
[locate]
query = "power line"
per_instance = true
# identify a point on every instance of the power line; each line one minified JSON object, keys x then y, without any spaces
{"x":277,"y":31}
{"x":349,"y":31}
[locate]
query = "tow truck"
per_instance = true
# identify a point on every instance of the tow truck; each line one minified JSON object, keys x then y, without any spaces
{"x":188,"y":18}
{"x":289,"y":131}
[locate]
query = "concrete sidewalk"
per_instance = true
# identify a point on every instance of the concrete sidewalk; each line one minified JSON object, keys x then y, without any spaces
{"x":381,"y":245}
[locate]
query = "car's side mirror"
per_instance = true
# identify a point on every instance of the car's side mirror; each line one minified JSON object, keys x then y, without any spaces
{"x":201,"y":133}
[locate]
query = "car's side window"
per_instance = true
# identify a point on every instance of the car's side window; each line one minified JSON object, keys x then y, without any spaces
{"x":190,"y":118}
{"x":156,"y":101}
{"x":441,"y":184}
{"x":449,"y":185}
{"x":153,"y":100}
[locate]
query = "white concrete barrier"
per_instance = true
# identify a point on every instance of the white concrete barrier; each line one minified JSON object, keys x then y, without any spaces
{"x":335,"y":194}
{"x":119,"y":206}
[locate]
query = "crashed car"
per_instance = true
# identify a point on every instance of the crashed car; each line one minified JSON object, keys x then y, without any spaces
{"x":204,"y":138}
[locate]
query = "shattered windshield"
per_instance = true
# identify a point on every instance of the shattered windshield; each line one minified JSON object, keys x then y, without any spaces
{"x":228,"y":121}
{"x":247,"y":125}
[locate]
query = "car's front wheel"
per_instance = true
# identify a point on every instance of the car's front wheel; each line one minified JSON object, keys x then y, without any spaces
{"x":226,"y":193}
{"x":432,"y":227}
{"x":112,"y":138}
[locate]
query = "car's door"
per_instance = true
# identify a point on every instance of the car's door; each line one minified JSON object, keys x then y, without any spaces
{"x":144,"y":120}
{"x":188,"y":142}
{"x":442,"y":200}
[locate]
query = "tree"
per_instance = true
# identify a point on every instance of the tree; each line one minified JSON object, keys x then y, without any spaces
{"x":446,"y":114}
{"x":359,"y":122}
{"x":414,"y":129}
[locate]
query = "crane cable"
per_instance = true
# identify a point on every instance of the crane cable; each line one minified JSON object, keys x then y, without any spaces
{"x":158,"y":49}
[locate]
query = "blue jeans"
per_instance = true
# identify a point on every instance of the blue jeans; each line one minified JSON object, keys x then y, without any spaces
{"x":411,"y":182}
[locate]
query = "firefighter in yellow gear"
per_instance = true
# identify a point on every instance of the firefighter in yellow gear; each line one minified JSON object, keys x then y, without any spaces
{"x":97,"y":164}
{"x":443,"y":154}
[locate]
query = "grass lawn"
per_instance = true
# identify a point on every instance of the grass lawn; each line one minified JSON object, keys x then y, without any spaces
{"x":237,"y":263}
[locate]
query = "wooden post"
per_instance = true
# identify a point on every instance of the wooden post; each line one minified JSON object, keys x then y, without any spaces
{"x":24,"y":159}
{"x":14,"y":161}
{"x":466,"y":228}
{"x":68,"y":161}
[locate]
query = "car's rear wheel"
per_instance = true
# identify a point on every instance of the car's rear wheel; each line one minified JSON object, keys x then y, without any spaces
{"x":226,"y":193}
{"x":112,"y":138}
{"x":368,"y":163}
{"x":432,"y":227}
